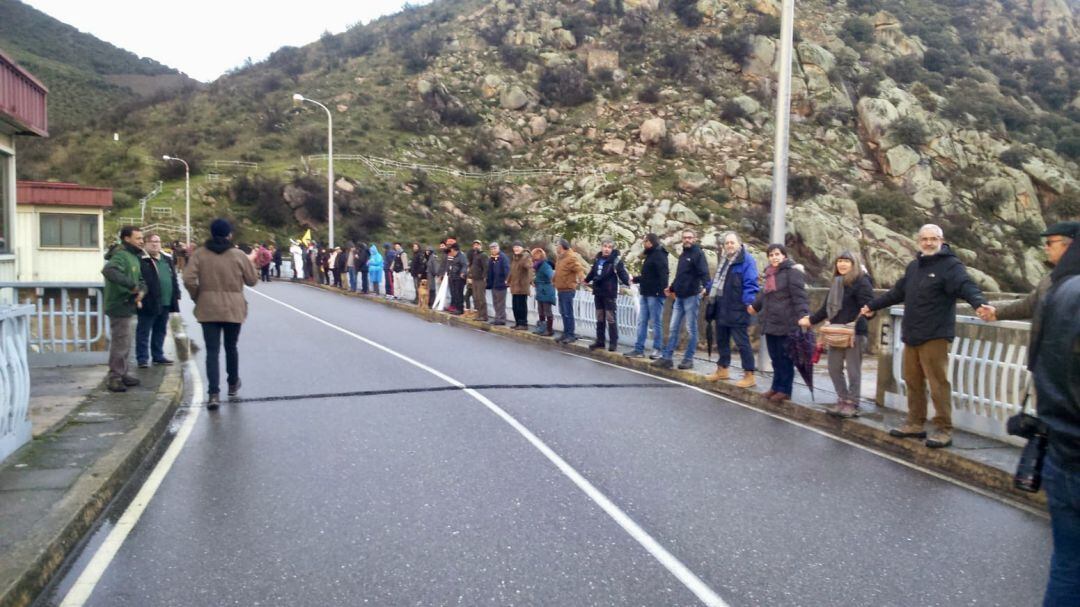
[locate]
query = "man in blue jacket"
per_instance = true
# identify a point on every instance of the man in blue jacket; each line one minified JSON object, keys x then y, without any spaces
{"x":498,"y":277}
{"x":734,"y":287}
{"x":691,"y":278}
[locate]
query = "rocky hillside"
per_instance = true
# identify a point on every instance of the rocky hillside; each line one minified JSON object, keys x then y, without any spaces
{"x":623,"y":116}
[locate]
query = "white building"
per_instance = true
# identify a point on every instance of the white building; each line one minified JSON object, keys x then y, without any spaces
{"x":59,"y":232}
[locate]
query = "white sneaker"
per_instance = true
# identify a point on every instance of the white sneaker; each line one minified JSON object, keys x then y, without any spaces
{"x":655,"y":354}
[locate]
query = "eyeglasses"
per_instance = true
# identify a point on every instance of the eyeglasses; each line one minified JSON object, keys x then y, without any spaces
{"x":1052,"y":241}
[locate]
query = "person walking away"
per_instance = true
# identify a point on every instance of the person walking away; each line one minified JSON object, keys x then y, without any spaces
{"x":543,"y":273}
{"x":417,"y":269}
{"x":651,"y":282}
{"x":341,"y":259}
{"x":401,"y":265}
{"x":180,"y":255}
{"x":604,"y":277}
{"x":498,"y":280}
{"x":263,"y":259}
{"x":162,"y":298}
{"x":275,"y":257}
{"x":690,"y":284}
{"x":215,"y":280}
{"x":375,"y":268}
{"x":457,"y":268}
{"x":350,"y":264}
{"x":734,"y":287}
{"x":929,"y":288}
{"x":124,"y":291}
{"x":849,"y":292}
{"x":520,"y":280}
{"x":569,"y":275}
{"x":1056,"y":369}
{"x":363,"y":255}
{"x":389,"y":255}
{"x":783,"y":306}
{"x":477,"y":279}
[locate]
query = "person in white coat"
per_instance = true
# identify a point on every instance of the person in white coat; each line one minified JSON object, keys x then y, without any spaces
{"x":297,"y":260}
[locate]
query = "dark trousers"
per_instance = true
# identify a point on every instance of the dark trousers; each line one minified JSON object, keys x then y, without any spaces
{"x":566,"y":310}
{"x":364,"y":281}
{"x":433,"y":290}
{"x":724,"y":335}
{"x":277,"y":270}
{"x":264,"y":273}
{"x":479,"y":294}
{"x":389,"y":274}
{"x":337,"y":278}
{"x":457,"y":294}
{"x":783,"y":366}
{"x":1063,"y":498}
{"x":150,"y":336}
{"x":212,"y":332}
{"x":605,"y":318}
{"x":520,"y":305}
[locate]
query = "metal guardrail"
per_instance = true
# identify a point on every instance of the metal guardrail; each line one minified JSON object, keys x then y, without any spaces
{"x":66,"y":318}
{"x":142,"y":201}
{"x":987,"y":371}
{"x":223,"y":164}
{"x":15,"y":427}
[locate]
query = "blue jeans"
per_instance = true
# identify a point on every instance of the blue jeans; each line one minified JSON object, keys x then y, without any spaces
{"x":685,"y":310}
{"x":352,"y":279}
{"x":724,"y":335}
{"x":1063,"y":497}
{"x":652,"y":310}
{"x":566,"y":310}
{"x":150,"y":336}
{"x":783,"y":366}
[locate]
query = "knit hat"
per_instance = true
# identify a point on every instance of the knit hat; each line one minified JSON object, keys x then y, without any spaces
{"x":493,"y":245}
{"x":518,"y":243}
{"x":220,"y":228}
{"x":564,"y":243}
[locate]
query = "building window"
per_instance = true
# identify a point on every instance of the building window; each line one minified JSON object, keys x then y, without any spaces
{"x":6,"y":203}
{"x":67,"y":230}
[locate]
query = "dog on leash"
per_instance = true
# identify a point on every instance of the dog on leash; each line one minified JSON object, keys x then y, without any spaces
{"x":422,"y":294}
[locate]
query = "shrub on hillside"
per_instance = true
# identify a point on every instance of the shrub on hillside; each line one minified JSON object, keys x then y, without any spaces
{"x":892,"y":204}
{"x":608,"y":8}
{"x":910,"y":131}
{"x":422,"y":49}
{"x":1066,"y":207}
{"x":516,"y":58}
{"x":676,"y":64}
{"x":1029,"y":233}
{"x":649,"y":94}
{"x":411,"y":119}
{"x":733,"y":111}
{"x":1015,"y":157}
{"x":566,"y":86}
{"x":495,"y":31}
{"x":458,"y":116}
{"x":1068,"y":146}
{"x":737,"y":45}
{"x":857,"y":30}
{"x":768,"y":25}
{"x":805,"y":186}
{"x":668,"y":149}
{"x":687,"y":12}
{"x":311,"y":139}
{"x":358,"y":41}
{"x":904,"y":70}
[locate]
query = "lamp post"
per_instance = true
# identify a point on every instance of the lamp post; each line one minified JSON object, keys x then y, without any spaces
{"x":299,"y":99}
{"x":777,"y":225}
{"x":187,"y":198}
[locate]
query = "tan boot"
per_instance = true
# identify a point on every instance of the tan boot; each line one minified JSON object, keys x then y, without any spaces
{"x":719,"y":374}
{"x":748,"y":380}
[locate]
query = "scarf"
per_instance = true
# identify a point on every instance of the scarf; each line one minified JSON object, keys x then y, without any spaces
{"x":721,"y":276}
{"x":835,"y":298}
{"x":770,"y":278}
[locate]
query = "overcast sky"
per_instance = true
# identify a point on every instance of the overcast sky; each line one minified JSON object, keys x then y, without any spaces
{"x":205,"y":38}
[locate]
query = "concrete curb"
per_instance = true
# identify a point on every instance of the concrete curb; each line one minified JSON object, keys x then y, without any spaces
{"x":27,"y":569}
{"x":948,"y":462}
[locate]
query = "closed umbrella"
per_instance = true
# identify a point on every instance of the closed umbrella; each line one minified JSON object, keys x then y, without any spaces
{"x":800,"y":347}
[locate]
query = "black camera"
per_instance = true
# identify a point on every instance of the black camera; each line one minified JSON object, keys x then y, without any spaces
{"x":1029,"y":471}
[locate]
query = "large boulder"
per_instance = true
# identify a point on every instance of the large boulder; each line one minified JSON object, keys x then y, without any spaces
{"x":615,"y":147}
{"x":513,"y":98}
{"x":713,"y":134}
{"x":653,"y":130}
{"x":491,"y":86}
{"x":1049,"y":176}
{"x":886,"y":253}
{"x":690,"y":181}
{"x":875,"y":118}
{"x":762,"y":58}
{"x":827,"y":225}
{"x":899,"y":160}
{"x":648,"y":5}
{"x":507,"y":137}
{"x":599,"y":59}
{"x":538,"y":125}
{"x":889,"y":34}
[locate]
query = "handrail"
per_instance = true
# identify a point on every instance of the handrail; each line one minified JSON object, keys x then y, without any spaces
{"x":15,"y":426}
{"x":65,"y":322}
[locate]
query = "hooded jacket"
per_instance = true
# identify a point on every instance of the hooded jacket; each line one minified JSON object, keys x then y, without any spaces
{"x":606,"y":274}
{"x":781,"y":309}
{"x":929,"y":289}
{"x":544,"y":273}
{"x":740,"y":290}
{"x":692,"y":273}
{"x":654,"y":271}
{"x":152,"y":303}
{"x":569,"y":270}
{"x":123,"y":279}
{"x":375,"y":262}
{"x":1056,"y":365}
{"x":521,"y":272}
{"x":363,"y":254}
{"x":418,"y":264}
{"x":215,"y":278}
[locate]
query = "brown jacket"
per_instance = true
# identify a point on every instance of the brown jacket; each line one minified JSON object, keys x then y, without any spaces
{"x":569,"y":271}
{"x":521,"y":271}
{"x":215,"y":278}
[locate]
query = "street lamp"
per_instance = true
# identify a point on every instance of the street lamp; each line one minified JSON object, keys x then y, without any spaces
{"x":187,"y":198}
{"x":298,"y":100}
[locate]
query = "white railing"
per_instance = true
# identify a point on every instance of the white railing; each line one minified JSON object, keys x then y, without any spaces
{"x":987,"y":371}
{"x":237,"y":164}
{"x":385,"y":167}
{"x":15,"y":427}
{"x":157,"y":212}
{"x":145,"y":199}
{"x":65,"y":318}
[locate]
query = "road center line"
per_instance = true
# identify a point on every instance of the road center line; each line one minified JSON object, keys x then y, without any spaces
{"x":88,"y":580}
{"x":688,"y":578}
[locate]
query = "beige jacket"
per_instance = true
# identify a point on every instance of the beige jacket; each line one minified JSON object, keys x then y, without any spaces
{"x":216,"y":284}
{"x":521,"y":272}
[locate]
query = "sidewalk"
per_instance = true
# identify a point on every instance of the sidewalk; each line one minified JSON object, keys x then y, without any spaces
{"x":87,"y":444}
{"x":981,"y":462}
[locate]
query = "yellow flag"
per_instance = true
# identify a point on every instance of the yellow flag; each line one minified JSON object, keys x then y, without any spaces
{"x":306,"y":238}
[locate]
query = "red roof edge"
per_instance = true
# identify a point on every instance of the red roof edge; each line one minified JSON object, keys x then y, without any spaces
{"x":62,"y":194}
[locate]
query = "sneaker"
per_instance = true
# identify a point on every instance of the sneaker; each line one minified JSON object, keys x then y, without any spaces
{"x":596,"y":345}
{"x":939,"y":440}
{"x":234,"y":389}
{"x":834,"y":409}
{"x":163,"y":361}
{"x":116,"y":385}
{"x":748,"y":380}
{"x":779,"y":397}
{"x":130,"y":381}
{"x":655,"y":354}
{"x":612,"y":348}
{"x":213,"y":402}
{"x":663,"y":363}
{"x":848,"y":410}
{"x":144,"y":365}
{"x":686,"y":364}
{"x":520,"y":327}
{"x":908,"y":431}
{"x":719,"y":374}
{"x":635,"y":354}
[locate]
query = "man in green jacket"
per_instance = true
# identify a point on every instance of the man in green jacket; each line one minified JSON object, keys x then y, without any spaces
{"x":124,"y":290}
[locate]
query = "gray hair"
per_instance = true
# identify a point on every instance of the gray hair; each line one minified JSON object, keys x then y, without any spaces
{"x":723,"y":237}
{"x":935,"y":229}
{"x":606,"y":240}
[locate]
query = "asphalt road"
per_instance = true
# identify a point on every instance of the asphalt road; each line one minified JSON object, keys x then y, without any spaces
{"x":421,"y":494}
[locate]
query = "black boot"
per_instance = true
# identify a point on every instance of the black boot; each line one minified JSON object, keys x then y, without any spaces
{"x":613,"y":337}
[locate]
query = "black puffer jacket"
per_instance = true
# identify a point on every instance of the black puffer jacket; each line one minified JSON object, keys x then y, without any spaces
{"x":781,"y":309}
{"x":692,"y":273}
{"x":606,"y":274}
{"x":418,"y":264}
{"x":929,"y":289}
{"x":362,"y":257}
{"x":1057,"y":372}
{"x":856,"y":295}
{"x":152,"y":304}
{"x":654,"y":272}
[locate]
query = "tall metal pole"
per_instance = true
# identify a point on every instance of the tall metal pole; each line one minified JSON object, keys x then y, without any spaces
{"x":297,"y":100}
{"x":777,"y":226}
{"x":187,"y":204}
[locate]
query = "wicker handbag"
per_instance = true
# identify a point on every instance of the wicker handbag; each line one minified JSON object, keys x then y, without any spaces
{"x":838,"y":335}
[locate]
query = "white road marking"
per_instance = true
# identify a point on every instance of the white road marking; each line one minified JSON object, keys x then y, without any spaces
{"x":91,"y":575}
{"x":688,"y":578}
{"x":913,"y":466}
